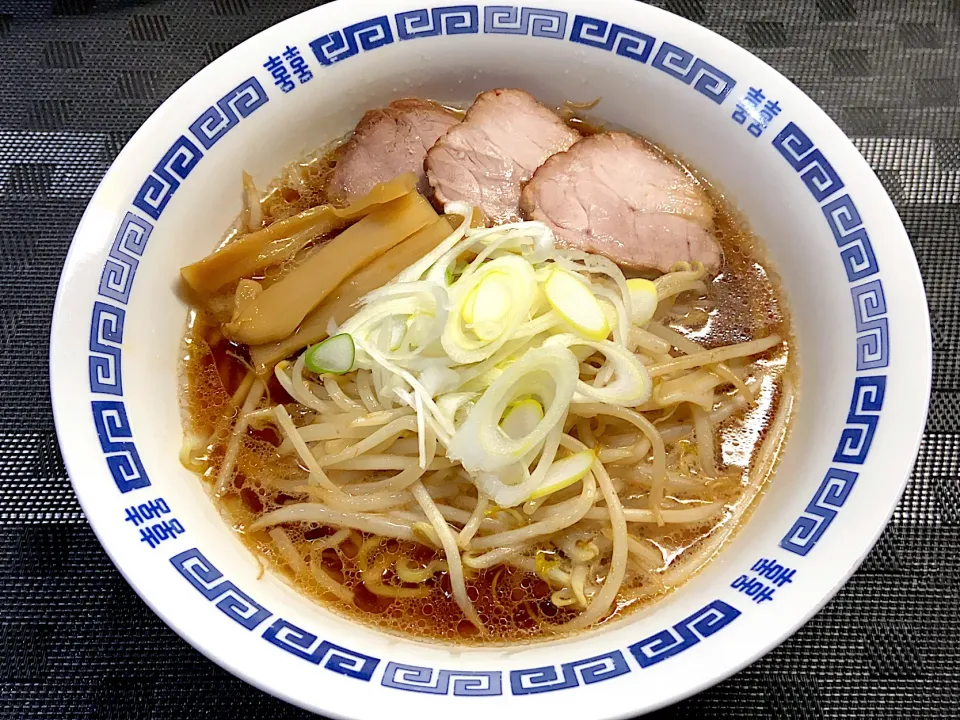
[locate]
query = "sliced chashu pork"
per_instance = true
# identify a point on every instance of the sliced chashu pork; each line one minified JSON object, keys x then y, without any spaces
{"x":388,"y":142}
{"x":485,"y":160}
{"x":611,"y":194}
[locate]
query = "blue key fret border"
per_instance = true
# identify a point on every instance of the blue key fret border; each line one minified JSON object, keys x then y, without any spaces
{"x":187,"y":151}
{"x":627,"y":42}
{"x":104,"y":364}
{"x":872,"y":334}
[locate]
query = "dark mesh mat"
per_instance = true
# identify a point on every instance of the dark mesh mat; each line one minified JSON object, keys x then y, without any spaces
{"x":77,"y":77}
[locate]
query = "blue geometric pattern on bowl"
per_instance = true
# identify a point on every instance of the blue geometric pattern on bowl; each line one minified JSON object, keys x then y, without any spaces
{"x":209,"y":581}
{"x":119,"y":271}
{"x":685,"y":634}
{"x":536,"y":22}
{"x":106,"y":334}
{"x":453,"y":20}
{"x":820,"y":511}
{"x":691,"y":70}
{"x":240,"y":607}
{"x":571,"y":674}
{"x":218,"y":119}
{"x":116,"y":441}
{"x":848,"y":231}
{"x":186,"y":152}
{"x":464,"y":683}
{"x":872,"y":329}
{"x":342,"y":44}
{"x":309,"y":647}
{"x":865,"y":407}
{"x":815,"y":170}
{"x":173,"y":168}
{"x":623,"y":41}
{"x":869,"y":309}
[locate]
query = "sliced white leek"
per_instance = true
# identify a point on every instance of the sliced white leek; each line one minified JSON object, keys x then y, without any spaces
{"x":487,"y":306}
{"x":437,"y":378}
{"x":548,"y":373}
{"x":401,"y":319}
{"x":516,"y":283}
{"x":564,"y":473}
{"x":521,"y":418}
{"x":572,"y":300}
{"x":416,"y":271}
{"x":484,"y":337}
{"x":451,"y":405}
{"x":643,"y":300}
{"x":513,"y":485}
{"x":631,"y":384}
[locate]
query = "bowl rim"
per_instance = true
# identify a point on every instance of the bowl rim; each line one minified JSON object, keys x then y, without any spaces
{"x":320,"y":15}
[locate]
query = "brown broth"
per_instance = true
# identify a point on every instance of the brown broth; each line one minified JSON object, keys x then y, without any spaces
{"x":744,"y":301}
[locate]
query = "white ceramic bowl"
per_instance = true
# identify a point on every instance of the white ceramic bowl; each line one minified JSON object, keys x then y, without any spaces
{"x":847,"y":267}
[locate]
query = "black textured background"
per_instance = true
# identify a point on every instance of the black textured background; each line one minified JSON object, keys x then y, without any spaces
{"x":77,"y":77}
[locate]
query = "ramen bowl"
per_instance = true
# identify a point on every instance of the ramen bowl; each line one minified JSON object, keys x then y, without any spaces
{"x":846,"y":266}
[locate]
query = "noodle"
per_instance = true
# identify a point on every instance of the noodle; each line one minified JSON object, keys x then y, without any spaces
{"x":563,"y":515}
{"x":296,"y":387}
{"x":389,"y":462}
{"x":768,"y":453}
{"x":328,"y":583}
{"x":618,"y":559}
{"x":491,"y":558}
{"x":391,"y":430}
{"x":316,"y":472}
{"x":539,"y":479}
{"x":645,"y":339}
{"x":704,"y":431}
{"x":317,"y":513}
{"x":243,"y":390}
{"x":668,"y":516}
{"x":473,"y":523}
{"x":754,"y":347}
{"x":367,"y":394}
{"x":678,"y":280}
{"x":230,"y":459}
{"x":449,"y":544}
{"x":653,"y":435}
{"x":340,"y":399}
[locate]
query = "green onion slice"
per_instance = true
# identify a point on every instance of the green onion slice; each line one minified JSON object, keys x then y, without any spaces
{"x":334,"y":356}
